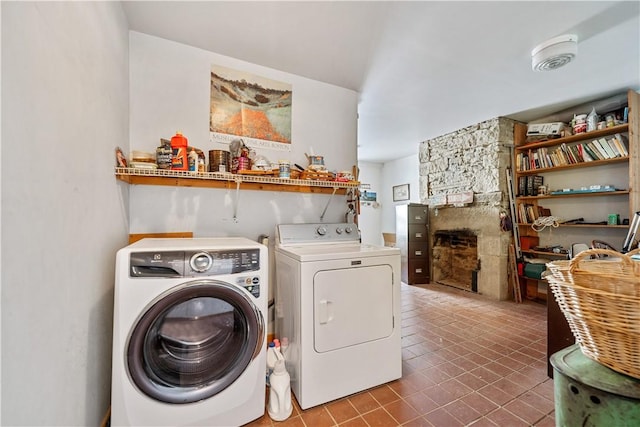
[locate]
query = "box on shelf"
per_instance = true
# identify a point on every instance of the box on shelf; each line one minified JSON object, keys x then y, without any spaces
{"x":529,"y":242}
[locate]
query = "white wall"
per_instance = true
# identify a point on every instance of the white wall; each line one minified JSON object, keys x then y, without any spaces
{"x":64,"y":109}
{"x":170,"y":88}
{"x":370,"y":218}
{"x":398,"y":172}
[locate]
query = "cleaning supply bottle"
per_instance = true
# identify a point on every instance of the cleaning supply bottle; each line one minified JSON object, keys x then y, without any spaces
{"x":280,"y":406}
{"x":179,"y":159}
{"x":193,"y":160}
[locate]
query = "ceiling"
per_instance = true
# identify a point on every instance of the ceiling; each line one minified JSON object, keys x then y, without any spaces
{"x":421,"y":68}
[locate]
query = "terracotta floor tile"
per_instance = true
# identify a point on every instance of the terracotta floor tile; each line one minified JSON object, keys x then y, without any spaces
{"x":463,"y":412}
{"x":547,"y":421}
{"x":521,"y":409}
{"x":545,"y":389}
{"x":455,"y":388}
{"x":439,"y":395}
{"x":291,"y":422}
{"x":411,"y":383}
{"x":364,"y":402}
{"x":479,"y":403}
{"x":384,"y":394}
{"x":355,"y":422}
{"x":401,"y":411}
{"x":440,"y":417}
{"x":379,"y":418}
{"x":495,"y":394}
{"x":451,"y":369}
{"x":502,"y":417}
{"x":541,"y":403}
{"x":484,"y":422}
{"x":317,"y":417}
{"x":263,"y":421}
{"x":418,"y":422}
{"x":342,"y":410}
{"x":471,"y":381}
{"x":499,"y":368}
{"x":421,"y":403}
{"x":486,"y":374}
{"x":435,"y":374}
{"x":512,"y":388}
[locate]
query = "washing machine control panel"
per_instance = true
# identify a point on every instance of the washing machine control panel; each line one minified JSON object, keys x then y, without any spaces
{"x":193,"y":263}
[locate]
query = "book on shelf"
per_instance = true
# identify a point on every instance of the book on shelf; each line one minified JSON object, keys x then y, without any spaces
{"x":605,"y":144}
{"x":583,"y":153}
{"x":621,"y":143}
{"x":528,"y":185}
{"x":589,"y":151}
{"x":603,"y":152}
{"x":528,"y":213}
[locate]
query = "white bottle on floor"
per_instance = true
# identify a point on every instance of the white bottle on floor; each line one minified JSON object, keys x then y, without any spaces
{"x":280,"y":406}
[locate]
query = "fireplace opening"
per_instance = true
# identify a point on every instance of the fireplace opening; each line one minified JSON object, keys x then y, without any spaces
{"x":455,"y":259}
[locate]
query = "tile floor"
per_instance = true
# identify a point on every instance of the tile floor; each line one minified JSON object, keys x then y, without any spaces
{"x":467,"y":361}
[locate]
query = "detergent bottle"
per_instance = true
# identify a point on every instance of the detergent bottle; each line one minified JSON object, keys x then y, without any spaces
{"x":179,"y":160}
{"x":280,"y":406}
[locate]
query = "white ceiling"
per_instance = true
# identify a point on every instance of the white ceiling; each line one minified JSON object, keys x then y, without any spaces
{"x":421,"y":68}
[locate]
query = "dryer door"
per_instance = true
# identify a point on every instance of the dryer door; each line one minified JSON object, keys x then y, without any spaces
{"x":194,"y":341}
{"x":352,"y":306}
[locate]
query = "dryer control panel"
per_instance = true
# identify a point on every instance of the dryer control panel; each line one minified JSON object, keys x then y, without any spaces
{"x":297,"y":234}
{"x":193,"y":263}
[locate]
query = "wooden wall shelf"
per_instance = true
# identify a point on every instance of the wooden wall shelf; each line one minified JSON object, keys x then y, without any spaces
{"x":176,"y":178}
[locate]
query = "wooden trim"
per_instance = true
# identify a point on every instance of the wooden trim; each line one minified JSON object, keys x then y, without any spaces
{"x":135,"y":237}
{"x":634,"y":152}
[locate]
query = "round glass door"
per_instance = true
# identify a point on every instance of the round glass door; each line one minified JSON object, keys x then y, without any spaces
{"x":193,"y":342}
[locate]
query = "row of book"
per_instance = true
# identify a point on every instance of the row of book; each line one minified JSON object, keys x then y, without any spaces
{"x":598,"y":149}
{"x":528,"y":185}
{"x":528,"y":213}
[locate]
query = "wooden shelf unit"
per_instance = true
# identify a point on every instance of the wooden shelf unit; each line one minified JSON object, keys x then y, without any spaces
{"x":631,"y":129}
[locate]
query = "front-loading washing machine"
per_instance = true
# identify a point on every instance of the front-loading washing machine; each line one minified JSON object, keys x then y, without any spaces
{"x":189,"y":343}
{"x":338,"y":307}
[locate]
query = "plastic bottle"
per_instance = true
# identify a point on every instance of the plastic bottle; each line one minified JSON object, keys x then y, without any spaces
{"x":179,"y":159}
{"x":193,"y":160}
{"x":284,"y":345}
{"x":280,"y":407}
{"x":272,"y":358}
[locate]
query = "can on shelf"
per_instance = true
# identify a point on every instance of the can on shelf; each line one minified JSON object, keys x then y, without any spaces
{"x":240,"y":164}
{"x":219,"y":161}
{"x":284,"y":170}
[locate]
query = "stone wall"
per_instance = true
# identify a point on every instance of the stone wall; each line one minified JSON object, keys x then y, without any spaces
{"x":472,"y":159}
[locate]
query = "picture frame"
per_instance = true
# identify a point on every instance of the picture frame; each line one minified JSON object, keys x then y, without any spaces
{"x":400,"y":192}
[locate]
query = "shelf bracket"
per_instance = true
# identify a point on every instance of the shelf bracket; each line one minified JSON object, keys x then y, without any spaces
{"x":327,"y":205}
{"x":238,"y":181}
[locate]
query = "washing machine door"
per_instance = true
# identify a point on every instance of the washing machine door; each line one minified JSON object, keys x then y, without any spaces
{"x":194,"y":341}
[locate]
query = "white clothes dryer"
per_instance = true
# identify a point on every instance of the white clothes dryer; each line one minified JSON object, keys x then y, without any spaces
{"x":189,"y":344}
{"x":338,"y":308}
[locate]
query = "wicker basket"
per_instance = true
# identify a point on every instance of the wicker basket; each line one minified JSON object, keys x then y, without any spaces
{"x":600,"y":299}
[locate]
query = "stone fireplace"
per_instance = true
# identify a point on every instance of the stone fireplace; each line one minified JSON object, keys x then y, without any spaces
{"x":471,"y":161}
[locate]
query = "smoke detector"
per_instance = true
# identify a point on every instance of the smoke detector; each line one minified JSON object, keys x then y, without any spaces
{"x":554,"y":53}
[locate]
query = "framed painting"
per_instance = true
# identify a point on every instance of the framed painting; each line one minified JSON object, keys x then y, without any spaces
{"x":400,"y":192}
